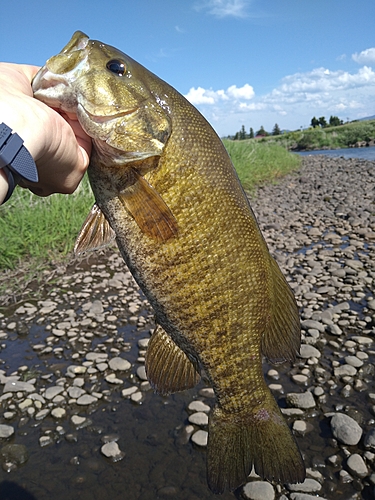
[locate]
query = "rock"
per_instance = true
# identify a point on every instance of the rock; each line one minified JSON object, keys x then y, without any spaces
{"x":308,"y":486}
{"x":353,"y":361}
{"x":51,"y":392}
{"x":75,"y":392}
{"x":77,"y":420}
{"x":345,"y":429}
{"x":6,"y":431}
{"x":357,"y":466}
{"x":308,"y":324}
{"x":369,"y":440}
{"x":309,"y":351}
{"x":18,"y":386}
{"x":141,"y":372}
{"x":111,"y":450}
{"x":86,"y":399}
{"x":58,"y":412}
{"x":200,"y":438}
{"x":259,"y":490}
{"x":345,"y":371}
{"x":198,"y":406}
{"x":15,"y":453}
{"x":302,"y":400}
{"x":119,"y":364}
{"x":305,"y":496}
{"x":198,"y":418}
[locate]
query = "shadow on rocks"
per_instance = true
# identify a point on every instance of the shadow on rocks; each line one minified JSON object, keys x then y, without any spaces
{"x":12,"y":491}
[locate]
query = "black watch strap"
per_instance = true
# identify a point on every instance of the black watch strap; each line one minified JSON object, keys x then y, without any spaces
{"x":15,"y":159}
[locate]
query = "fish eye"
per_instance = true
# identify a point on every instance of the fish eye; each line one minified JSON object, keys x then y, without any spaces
{"x":116,"y":66}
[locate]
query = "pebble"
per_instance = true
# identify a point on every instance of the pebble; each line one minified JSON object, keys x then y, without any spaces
{"x":200,"y":438}
{"x":141,"y":372}
{"x":198,"y":418}
{"x":58,"y":412}
{"x":18,"y":386}
{"x":86,"y":399}
{"x":119,"y":364}
{"x":345,"y":429}
{"x":357,"y":466}
{"x":259,"y":490}
{"x":111,"y":450}
{"x":304,"y":400}
{"x":199,"y":406}
{"x":309,"y":351}
{"x":308,"y":486}
{"x":6,"y":431}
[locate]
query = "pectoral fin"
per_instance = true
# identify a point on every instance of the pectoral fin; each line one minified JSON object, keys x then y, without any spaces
{"x":149,"y":210}
{"x":168,"y":368}
{"x":282,"y":339}
{"x":95,"y":232}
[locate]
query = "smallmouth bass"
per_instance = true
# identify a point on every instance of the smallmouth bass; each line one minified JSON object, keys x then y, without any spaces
{"x":166,"y":188}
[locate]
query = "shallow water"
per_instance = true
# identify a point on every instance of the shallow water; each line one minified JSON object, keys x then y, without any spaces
{"x":359,"y":153}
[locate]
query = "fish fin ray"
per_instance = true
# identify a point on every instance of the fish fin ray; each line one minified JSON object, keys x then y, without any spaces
{"x":95,"y":232}
{"x":149,"y":210}
{"x":281,"y":340}
{"x":168,"y":368}
{"x":262,"y":440}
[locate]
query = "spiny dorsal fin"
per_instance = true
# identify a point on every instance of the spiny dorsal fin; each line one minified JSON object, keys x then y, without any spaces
{"x":95,"y":232}
{"x":282,"y":339}
{"x":168,"y":368}
{"x":149,"y":210}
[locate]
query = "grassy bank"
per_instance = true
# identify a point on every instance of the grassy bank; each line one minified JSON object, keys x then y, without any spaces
{"x":343,"y":136}
{"x":35,"y":230}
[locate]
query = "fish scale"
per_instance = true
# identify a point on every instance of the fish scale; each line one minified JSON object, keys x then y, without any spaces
{"x":166,"y":189}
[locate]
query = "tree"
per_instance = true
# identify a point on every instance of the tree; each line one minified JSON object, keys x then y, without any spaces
{"x":322,"y":122}
{"x":261,"y":132}
{"x":314,"y":122}
{"x":276,"y":130}
{"x":243,"y":133}
{"x":251,"y":135}
{"x":335,"y":121}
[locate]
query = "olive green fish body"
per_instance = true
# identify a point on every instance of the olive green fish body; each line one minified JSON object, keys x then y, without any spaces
{"x":167,"y":187}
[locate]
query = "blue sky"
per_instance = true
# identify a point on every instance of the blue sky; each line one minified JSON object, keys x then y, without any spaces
{"x":240,"y":62}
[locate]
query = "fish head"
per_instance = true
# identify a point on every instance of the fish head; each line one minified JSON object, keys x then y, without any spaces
{"x":112,"y":96}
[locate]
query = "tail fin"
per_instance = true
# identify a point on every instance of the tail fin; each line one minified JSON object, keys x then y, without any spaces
{"x":262,"y":440}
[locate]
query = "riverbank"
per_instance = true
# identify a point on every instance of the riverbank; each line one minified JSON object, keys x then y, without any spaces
{"x":72,"y":376}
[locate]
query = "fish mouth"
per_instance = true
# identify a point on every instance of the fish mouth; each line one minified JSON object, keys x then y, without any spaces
{"x":107,"y":117}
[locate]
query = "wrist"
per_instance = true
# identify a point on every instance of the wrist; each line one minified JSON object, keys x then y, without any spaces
{"x":3,"y":185}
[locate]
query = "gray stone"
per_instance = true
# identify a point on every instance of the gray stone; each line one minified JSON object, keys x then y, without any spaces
{"x":119,"y":364}
{"x":345,"y":371}
{"x":58,"y":412}
{"x":75,"y":392}
{"x":198,"y":418}
{"x":18,"y":386}
{"x":353,"y":361}
{"x":86,"y":399}
{"x":308,"y":324}
{"x":308,"y":486}
{"x":305,"y":496}
{"x":141,"y":372}
{"x":200,"y":438}
{"x":357,"y":466}
{"x":345,"y":429}
{"x":198,"y":406}
{"x":6,"y":431}
{"x":15,"y":453}
{"x":309,"y":351}
{"x":302,"y":400}
{"x":369,"y":440}
{"x":111,"y":450}
{"x":51,"y":392}
{"x":259,"y":490}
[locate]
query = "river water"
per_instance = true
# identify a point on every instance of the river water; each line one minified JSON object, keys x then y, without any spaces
{"x":359,"y":153}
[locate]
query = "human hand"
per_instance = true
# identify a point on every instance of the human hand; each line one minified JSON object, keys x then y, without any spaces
{"x":56,"y":141}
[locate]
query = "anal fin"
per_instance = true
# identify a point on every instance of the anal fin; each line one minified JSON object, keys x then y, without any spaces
{"x":282,"y":339}
{"x":95,"y":232}
{"x":149,"y":210}
{"x":168,"y":368}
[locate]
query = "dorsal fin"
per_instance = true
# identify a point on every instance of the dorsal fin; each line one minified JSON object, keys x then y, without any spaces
{"x":95,"y":232}
{"x":282,"y":339}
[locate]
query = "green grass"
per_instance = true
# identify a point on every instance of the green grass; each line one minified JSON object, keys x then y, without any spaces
{"x":257,"y":162}
{"x":343,"y":136}
{"x":37,"y":230}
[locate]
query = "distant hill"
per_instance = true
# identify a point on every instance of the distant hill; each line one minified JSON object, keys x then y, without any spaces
{"x":366,"y":118}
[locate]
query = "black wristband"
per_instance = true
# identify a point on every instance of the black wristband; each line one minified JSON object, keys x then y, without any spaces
{"x":15,"y":159}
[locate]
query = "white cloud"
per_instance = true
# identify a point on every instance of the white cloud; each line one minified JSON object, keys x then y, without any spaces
{"x":292,"y":104}
{"x":208,"y":96}
{"x":224,"y":8}
{"x":365,"y":57}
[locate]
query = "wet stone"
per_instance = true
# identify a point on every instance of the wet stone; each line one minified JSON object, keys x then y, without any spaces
{"x":308,"y":486}
{"x":86,"y":399}
{"x":198,"y":418}
{"x":111,"y":450}
{"x":309,"y":351}
{"x":357,"y":466}
{"x":119,"y":364}
{"x":200,"y":438}
{"x":6,"y":431}
{"x":302,"y":400}
{"x":259,"y":490}
{"x":345,"y":429}
{"x":19,"y":386}
{"x":14,"y":453}
{"x":198,"y":406}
